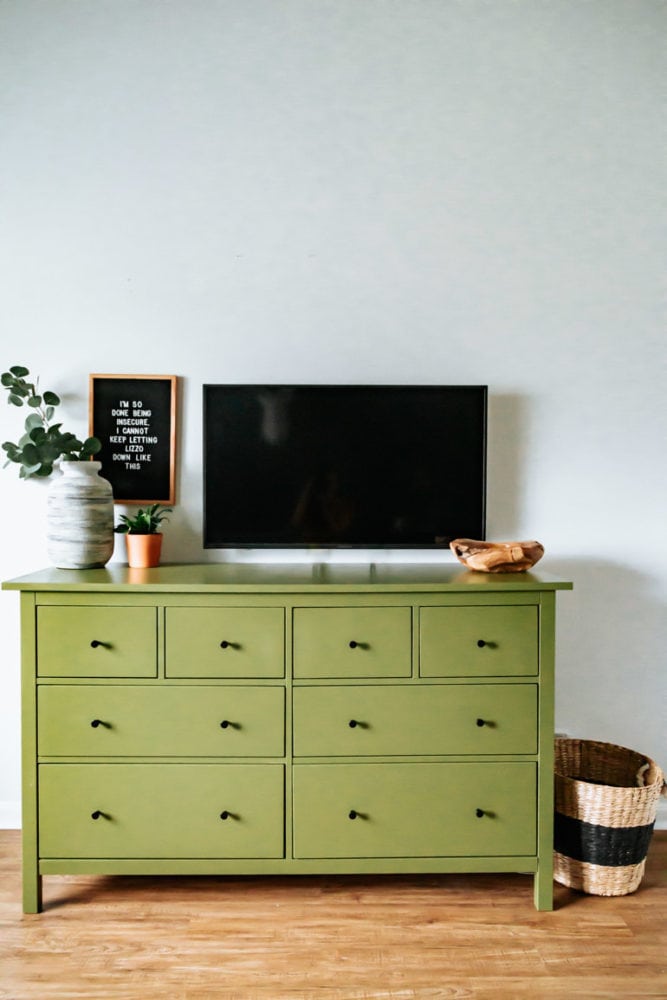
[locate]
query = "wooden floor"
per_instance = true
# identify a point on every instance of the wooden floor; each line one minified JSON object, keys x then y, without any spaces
{"x":330,"y":938}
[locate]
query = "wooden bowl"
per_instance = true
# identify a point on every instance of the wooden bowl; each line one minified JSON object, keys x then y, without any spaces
{"x":497,"y":557}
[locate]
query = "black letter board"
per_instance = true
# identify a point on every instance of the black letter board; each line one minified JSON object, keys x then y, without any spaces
{"x":134,"y":416}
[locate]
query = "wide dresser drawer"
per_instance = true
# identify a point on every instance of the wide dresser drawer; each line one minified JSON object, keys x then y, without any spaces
{"x":161,"y":810}
{"x":353,"y":642}
{"x":409,"y":719}
{"x":141,"y":721}
{"x":414,"y":810}
{"x":96,"y":641}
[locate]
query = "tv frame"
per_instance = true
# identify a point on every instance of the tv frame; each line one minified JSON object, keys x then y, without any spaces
{"x":352,"y":546}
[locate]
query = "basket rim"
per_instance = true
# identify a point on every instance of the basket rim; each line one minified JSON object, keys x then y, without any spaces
{"x":654,"y":769}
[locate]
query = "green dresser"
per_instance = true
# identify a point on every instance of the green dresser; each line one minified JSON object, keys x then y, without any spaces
{"x":249,"y":719}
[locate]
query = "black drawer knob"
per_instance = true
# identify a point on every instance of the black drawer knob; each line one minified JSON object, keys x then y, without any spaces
{"x":482,"y":643}
{"x":95,"y":723}
{"x":95,"y":643}
{"x":353,"y":644}
{"x":225,"y":814}
{"x":353,"y":814}
{"x":98,"y":814}
{"x":353,"y":723}
{"x":225,"y":724}
{"x":481,"y":722}
{"x":479,"y":813}
{"x":224,"y":644}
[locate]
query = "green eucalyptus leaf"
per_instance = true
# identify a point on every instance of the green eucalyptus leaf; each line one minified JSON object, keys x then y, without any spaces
{"x":90,"y":447}
{"x":35,"y":401}
{"x":19,"y":371}
{"x":34,"y":420}
{"x":51,"y":399}
{"x":31,"y":455}
{"x":50,"y":453}
{"x":38,"y":435}
{"x":49,"y":411}
{"x":15,"y":400}
{"x":6,"y":379}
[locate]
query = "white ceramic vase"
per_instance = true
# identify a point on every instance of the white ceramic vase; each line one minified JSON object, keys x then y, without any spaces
{"x":80,"y":517}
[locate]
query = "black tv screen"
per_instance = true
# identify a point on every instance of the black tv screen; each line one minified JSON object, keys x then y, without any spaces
{"x":326,"y":466}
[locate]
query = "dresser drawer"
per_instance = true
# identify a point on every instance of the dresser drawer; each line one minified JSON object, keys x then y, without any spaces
{"x":430,"y":719}
{"x":161,"y":811}
{"x":96,"y":641}
{"x":225,"y":642}
{"x":478,"y":641}
{"x":352,"y":642}
{"x":122,"y":721}
{"x":414,"y":810}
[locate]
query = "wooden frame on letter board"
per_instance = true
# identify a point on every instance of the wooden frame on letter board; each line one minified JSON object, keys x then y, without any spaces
{"x":130,"y":466}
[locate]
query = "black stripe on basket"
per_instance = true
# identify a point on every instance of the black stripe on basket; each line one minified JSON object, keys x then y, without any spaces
{"x":601,"y":845}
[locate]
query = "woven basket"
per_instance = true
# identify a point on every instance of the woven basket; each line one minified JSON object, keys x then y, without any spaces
{"x":606,"y":801}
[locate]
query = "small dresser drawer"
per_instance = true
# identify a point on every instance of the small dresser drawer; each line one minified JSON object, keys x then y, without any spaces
{"x":429,"y":719}
{"x":94,"y":641}
{"x":414,"y":810}
{"x":478,"y":641}
{"x":161,"y":811}
{"x":122,"y":721}
{"x":225,"y":642}
{"x":352,"y":642}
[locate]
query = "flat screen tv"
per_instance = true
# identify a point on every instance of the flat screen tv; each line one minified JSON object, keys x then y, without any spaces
{"x":343,"y":465}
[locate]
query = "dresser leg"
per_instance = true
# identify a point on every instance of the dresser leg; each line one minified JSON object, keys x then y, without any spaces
{"x":544,"y":887}
{"x":32,"y":891}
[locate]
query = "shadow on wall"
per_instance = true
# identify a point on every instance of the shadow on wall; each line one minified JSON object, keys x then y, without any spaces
{"x":507,"y":460}
{"x":611,"y":680}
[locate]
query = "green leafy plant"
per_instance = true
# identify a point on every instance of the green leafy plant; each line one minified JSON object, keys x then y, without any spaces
{"x":43,"y":442}
{"x":146,"y":521}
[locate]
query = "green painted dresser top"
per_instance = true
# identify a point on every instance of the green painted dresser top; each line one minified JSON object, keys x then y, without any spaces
{"x":284,"y":578}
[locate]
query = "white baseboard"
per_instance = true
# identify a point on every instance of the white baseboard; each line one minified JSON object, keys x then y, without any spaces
{"x":10,"y":815}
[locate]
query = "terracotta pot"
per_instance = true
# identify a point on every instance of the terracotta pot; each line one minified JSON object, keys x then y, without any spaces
{"x":143,"y":551}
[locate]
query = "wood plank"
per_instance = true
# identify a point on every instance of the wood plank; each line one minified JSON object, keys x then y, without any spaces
{"x":329,"y":937}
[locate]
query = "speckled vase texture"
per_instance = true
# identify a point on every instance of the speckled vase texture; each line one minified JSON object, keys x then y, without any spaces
{"x":80,"y":517}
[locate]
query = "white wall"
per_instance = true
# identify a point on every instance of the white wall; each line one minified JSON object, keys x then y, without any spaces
{"x":362,"y":191}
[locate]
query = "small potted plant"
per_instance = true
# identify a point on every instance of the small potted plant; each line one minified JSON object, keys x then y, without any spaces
{"x":142,"y":535}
